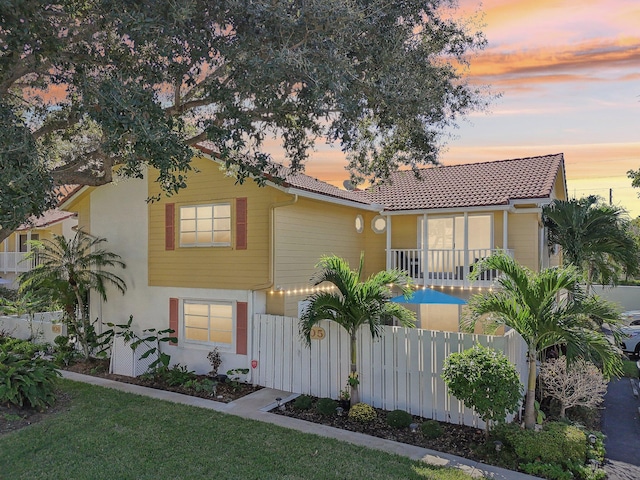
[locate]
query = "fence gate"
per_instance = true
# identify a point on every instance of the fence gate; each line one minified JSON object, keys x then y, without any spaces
{"x":400,"y":369}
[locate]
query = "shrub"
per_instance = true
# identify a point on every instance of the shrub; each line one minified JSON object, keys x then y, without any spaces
{"x":326,"y":406}
{"x":361,"y":412}
{"x":485,"y":380}
{"x":399,"y":419}
{"x":64,"y":351}
{"x":174,"y":376}
{"x":26,"y":381}
{"x":431,"y":429}
{"x":552,"y":471}
{"x":556,"y":443}
{"x":580,"y":383}
{"x":303,"y":402}
{"x":23,"y":347}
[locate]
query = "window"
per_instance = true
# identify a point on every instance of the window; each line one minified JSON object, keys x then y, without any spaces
{"x":205,"y":225}
{"x":379,"y":224}
{"x":359,"y":224}
{"x":208,"y":322}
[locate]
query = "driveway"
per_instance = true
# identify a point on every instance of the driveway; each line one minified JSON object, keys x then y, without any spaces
{"x":621,"y":425}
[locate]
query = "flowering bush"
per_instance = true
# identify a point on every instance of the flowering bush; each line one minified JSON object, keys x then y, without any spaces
{"x":362,"y":412}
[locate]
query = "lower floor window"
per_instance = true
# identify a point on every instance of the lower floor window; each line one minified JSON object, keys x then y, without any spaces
{"x":208,"y":322}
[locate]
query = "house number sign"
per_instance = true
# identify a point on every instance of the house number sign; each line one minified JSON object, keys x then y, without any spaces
{"x":317,"y":333}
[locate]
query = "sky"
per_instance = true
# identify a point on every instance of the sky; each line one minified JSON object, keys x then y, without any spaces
{"x":568,"y":73}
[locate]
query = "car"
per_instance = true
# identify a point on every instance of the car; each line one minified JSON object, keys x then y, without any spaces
{"x":631,"y":317}
{"x":631,"y":340}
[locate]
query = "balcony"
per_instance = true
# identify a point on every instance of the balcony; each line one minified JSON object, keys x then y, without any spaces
{"x":443,"y":267}
{"x":14,"y":262}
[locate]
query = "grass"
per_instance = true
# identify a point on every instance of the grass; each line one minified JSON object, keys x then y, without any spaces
{"x":110,"y":434}
{"x":630,"y":369}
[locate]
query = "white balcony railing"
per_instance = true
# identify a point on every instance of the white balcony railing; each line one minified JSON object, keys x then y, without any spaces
{"x":443,"y":267}
{"x":14,"y":262}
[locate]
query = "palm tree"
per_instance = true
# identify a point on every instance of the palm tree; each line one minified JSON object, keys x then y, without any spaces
{"x":356,"y":303}
{"x":547,"y":309}
{"x":70,"y":269}
{"x":594,"y":237}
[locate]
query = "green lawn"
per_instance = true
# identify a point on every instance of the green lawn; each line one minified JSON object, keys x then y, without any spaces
{"x":106,"y":434}
{"x":630,"y":368}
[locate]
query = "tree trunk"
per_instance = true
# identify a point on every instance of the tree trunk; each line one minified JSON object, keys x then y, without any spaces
{"x":4,"y":233}
{"x":355,"y":395}
{"x":529,"y":406}
{"x":563,"y":410}
{"x":81,"y":322}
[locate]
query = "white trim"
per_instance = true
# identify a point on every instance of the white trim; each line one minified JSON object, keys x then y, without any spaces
{"x":213,"y":230}
{"x":452,"y":210}
{"x":528,"y":201}
{"x":327,"y":198}
{"x":65,"y":204}
{"x":224,"y":347}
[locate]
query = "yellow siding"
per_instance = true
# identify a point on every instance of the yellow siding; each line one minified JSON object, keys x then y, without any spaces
{"x":404,"y":231}
{"x":11,"y":243}
{"x":523,"y":238}
{"x":375,"y":244}
{"x":81,"y":204}
{"x":212,"y":267}
{"x":305,"y":232}
{"x":558,"y":189}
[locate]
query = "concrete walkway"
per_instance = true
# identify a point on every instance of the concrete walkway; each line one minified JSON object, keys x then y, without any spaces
{"x":257,"y":405}
{"x":621,"y":425}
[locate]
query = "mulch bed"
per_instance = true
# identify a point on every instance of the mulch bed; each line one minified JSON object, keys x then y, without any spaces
{"x":458,"y":440}
{"x":225,"y":392}
{"x":14,"y":418}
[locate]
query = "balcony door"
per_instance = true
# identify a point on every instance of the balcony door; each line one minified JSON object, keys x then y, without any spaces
{"x":448,"y":233}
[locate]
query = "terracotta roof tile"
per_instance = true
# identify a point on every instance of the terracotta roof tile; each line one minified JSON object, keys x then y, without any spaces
{"x":305,"y":182}
{"x":470,"y":185}
{"x":47,"y":218}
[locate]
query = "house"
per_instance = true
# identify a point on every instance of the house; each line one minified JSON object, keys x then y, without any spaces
{"x":205,"y":260}
{"x":14,"y":248}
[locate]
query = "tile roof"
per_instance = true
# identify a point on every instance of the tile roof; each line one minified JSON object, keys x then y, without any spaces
{"x":306,"y":182}
{"x":470,"y":185}
{"x":47,"y":218}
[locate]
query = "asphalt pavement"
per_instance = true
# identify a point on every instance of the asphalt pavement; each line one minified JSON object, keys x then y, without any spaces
{"x":621,"y":425}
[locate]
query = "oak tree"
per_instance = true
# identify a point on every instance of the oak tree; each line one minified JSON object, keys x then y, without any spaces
{"x":90,"y":85}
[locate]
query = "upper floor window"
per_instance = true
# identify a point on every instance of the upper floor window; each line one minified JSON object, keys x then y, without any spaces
{"x":205,"y":225}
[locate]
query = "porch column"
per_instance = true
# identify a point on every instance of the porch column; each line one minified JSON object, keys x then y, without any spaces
{"x":388,"y":217}
{"x":16,"y":255}
{"x":505,"y":233}
{"x":5,"y":254}
{"x":425,"y":249}
{"x":465,"y":257}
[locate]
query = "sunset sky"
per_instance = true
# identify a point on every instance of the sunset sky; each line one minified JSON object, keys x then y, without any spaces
{"x":569,"y":76}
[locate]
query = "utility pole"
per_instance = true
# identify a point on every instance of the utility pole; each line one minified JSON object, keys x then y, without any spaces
{"x":611,"y":196}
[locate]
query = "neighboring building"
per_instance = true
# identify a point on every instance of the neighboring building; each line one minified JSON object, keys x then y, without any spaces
{"x":205,"y":260}
{"x":15,"y":247}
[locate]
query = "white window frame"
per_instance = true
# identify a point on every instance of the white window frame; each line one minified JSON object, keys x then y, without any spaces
{"x":213,"y":219}
{"x":223,"y":346}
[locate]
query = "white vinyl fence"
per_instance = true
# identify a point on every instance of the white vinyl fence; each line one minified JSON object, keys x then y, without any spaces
{"x":399,"y":370}
{"x":41,"y":327}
